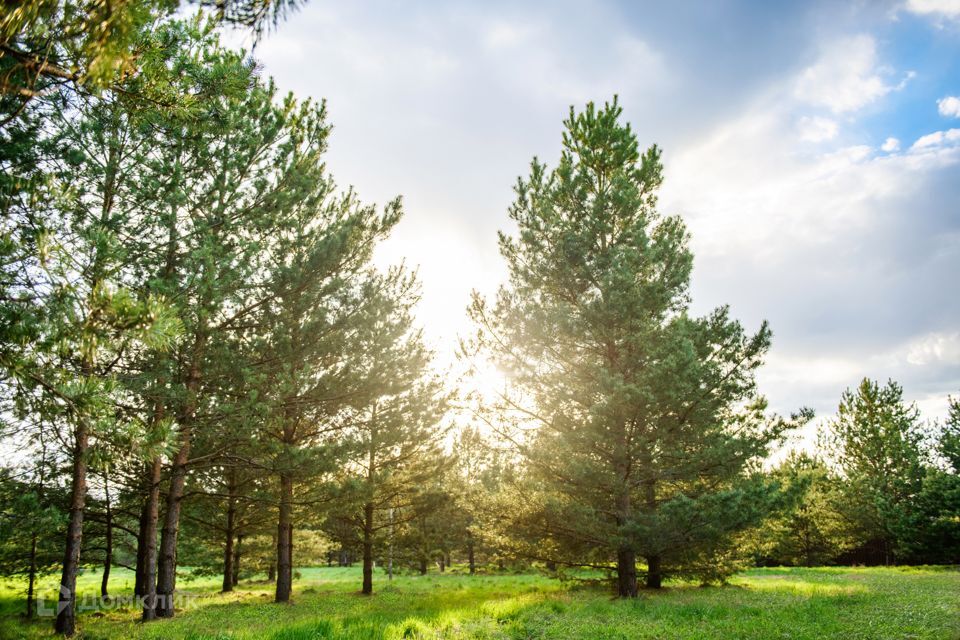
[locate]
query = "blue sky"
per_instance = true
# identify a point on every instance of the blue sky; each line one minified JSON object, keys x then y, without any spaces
{"x":803,"y":144}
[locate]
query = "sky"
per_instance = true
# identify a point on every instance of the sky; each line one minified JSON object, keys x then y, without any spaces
{"x":813,"y":149}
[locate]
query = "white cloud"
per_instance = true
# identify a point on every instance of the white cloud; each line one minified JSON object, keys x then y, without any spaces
{"x":948,"y":8}
{"x":505,"y":35}
{"x":934,"y":348}
{"x":936,"y":140}
{"x":846,"y":76}
{"x":821,"y":243}
{"x":817,"y":129}
{"x":949,"y":106}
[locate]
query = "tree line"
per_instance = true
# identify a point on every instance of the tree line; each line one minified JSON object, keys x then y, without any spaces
{"x":201,"y":368}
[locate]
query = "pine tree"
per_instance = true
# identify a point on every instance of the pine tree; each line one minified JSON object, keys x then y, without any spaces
{"x":85,"y":315}
{"x":876,"y":442}
{"x":810,"y":528}
{"x":476,"y":480}
{"x":307,"y":323}
{"x":644,"y":421}
{"x":394,"y":434}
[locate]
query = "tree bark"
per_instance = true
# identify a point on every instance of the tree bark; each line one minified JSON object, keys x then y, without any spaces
{"x":229,"y":564}
{"x":139,"y":580}
{"x":626,"y":573}
{"x":67,"y":615}
{"x":167,"y":560}
{"x":32,"y":576}
{"x":626,"y":556}
{"x":423,"y":566}
{"x":368,"y":548}
{"x":149,"y":541}
{"x":228,"y":554}
{"x":108,"y":554}
{"x":285,"y":540}
{"x":654,"y":572}
{"x":237,"y":549}
{"x":390,"y":549}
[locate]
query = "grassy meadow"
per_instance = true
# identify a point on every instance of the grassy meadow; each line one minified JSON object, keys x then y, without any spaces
{"x":843,"y":603}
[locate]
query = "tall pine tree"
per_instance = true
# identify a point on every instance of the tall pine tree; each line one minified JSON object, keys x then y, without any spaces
{"x":638,"y":421}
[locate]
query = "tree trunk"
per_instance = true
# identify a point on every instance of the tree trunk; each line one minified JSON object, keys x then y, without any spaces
{"x":626,"y":556}
{"x":108,"y":555}
{"x":626,"y":573}
{"x":228,"y":554}
{"x":285,"y":540}
{"x":442,"y":563}
{"x":149,"y":541}
{"x":654,"y":572}
{"x":423,"y":566}
{"x":167,"y":560}
{"x":390,"y":549}
{"x":139,"y":579}
{"x":236,"y":559}
{"x":368,"y":548}
{"x":67,"y":614}
{"x":229,"y":564}
{"x":32,"y":576}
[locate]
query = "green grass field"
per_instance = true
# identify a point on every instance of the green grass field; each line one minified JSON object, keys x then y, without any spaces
{"x":763,"y":603}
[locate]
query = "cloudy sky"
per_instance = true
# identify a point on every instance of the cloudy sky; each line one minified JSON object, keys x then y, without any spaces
{"x":813,"y":149}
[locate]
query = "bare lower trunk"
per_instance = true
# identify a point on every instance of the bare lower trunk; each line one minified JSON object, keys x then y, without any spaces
{"x":32,"y":576}
{"x":149,"y":541}
{"x":285,"y":540}
{"x":167,"y":557}
{"x":139,"y":579}
{"x":108,"y":551}
{"x":368,"y":548}
{"x":228,"y":558}
{"x":626,"y":573}
{"x":654,"y":572}
{"x":626,"y":556}
{"x":67,"y":615}
{"x":423,"y":566}
{"x":228,"y":564}
{"x":390,"y":550}
{"x":237,"y":549}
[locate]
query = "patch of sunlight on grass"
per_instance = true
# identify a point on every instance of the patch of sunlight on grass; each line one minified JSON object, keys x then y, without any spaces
{"x":801,"y":587}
